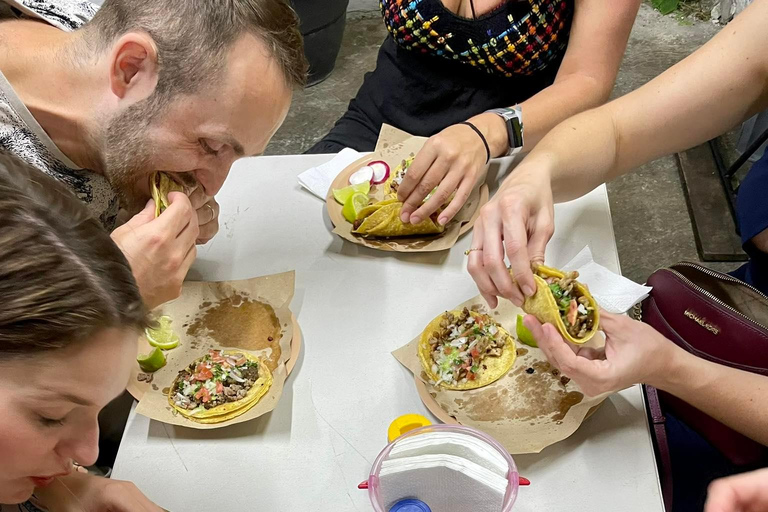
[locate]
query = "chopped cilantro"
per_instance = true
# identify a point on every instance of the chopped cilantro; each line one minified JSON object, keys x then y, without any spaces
{"x":556,"y":290}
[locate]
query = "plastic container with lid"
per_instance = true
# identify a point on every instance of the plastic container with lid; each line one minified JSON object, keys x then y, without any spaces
{"x":412,"y":503}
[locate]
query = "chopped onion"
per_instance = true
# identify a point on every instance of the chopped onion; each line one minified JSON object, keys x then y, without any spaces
{"x":458,"y":342}
{"x":380,"y":172}
{"x":582,"y":309}
{"x":361,"y":176}
{"x":236,"y":378}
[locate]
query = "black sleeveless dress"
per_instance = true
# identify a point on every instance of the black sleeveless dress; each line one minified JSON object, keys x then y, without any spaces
{"x":437,"y":68}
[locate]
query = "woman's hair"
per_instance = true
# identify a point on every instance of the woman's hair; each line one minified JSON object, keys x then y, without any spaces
{"x":62,"y":278}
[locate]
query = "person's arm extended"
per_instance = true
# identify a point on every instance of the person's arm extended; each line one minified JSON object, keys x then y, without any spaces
{"x":636,"y":353}
{"x":596,"y":45}
{"x":736,"y":398}
{"x":715,"y":88}
{"x":454,"y":159}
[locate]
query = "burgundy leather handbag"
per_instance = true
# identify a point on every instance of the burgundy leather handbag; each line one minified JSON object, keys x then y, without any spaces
{"x":716,"y":317}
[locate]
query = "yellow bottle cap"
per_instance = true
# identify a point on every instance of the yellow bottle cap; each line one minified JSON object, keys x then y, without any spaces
{"x":405,"y":424}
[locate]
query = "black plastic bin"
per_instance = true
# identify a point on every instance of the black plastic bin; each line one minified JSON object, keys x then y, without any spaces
{"x":322,"y":24}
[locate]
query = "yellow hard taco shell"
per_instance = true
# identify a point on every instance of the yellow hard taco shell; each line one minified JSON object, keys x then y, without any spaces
{"x":373,"y":208}
{"x":380,"y":216}
{"x":160,"y":186}
{"x":230,"y":410}
{"x":544,"y":306}
{"x":496,"y":367}
{"x":386,"y":223}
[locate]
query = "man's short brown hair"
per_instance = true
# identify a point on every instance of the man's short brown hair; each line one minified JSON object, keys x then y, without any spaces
{"x":193,"y":36}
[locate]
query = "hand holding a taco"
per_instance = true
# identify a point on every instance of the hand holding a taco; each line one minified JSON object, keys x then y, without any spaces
{"x":517,"y":222}
{"x":160,"y":250}
{"x":453,"y":161}
{"x":634,"y":353}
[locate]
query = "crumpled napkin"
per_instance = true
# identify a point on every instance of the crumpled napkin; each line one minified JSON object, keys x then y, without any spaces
{"x":614,"y":293}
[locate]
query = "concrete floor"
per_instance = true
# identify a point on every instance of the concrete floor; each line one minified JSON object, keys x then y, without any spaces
{"x":650,"y":215}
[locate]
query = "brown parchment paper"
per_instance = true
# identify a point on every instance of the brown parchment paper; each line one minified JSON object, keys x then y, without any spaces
{"x":393,"y":146}
{"x":238,"y":315}
{"x":530,"y":408}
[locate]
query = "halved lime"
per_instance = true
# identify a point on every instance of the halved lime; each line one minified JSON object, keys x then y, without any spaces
{"x":524,"y":334}
{"x":354,"y":204}
{"x":163,"y":336}
{"x":342,"y":195}
{"x":152,"y":361}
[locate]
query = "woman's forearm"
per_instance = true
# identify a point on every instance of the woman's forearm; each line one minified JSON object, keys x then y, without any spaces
{"x":736,"y":398}
{"x":706,"y":94}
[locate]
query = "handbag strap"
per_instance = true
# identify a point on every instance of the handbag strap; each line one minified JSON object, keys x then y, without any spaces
{"x":659,"y":423}
{"x":662,"y":446}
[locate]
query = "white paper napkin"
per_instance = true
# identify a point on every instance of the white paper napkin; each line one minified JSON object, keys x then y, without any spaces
{"x":446,"y":483}
{"x":318,"y":179}
{"x":452,"y":443}
{"x":614,"y":293}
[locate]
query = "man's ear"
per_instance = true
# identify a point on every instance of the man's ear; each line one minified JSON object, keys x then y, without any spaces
{"x":133,"y":67}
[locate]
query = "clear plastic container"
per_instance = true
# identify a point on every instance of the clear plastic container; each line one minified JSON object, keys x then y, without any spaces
{"x":374,"y":484}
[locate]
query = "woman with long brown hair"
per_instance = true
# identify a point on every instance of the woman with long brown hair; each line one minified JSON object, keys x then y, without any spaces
{"x":69,"y":316}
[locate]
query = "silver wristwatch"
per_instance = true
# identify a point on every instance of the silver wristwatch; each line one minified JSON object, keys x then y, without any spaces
{"x":513,"y":118}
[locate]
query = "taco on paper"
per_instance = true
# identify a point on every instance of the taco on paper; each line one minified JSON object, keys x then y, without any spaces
{"x":565,"y":303}
{"x":464,"y":349}
{"x":382,"y":220}
{"x":160,"y":185}
{"x":219,"y":386}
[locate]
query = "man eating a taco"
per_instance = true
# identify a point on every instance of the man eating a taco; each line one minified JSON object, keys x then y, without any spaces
{"x":101,"y":99}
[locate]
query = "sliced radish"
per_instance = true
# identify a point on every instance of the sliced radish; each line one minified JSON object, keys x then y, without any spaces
{"x":361,"y":176}
{"x":380,"y":172}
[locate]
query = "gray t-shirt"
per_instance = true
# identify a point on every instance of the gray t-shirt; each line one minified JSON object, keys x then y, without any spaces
{"x":21,"y":134}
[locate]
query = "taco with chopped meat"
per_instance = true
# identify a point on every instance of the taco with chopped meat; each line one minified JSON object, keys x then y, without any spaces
{"x":565,"y":303}
{"x":160,"y":185}
{"x":464,"y":349}
{"x":394,"y":181}
{"x":381,"y":219}
{"x":219,"y":386}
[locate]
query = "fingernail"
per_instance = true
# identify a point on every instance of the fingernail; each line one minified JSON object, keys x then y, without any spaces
{"x":528,"y":291}
{"x":443,"y":221}
{"x":404,"y":217}
{"x":517,"y":302}
{"x":415,"y":220}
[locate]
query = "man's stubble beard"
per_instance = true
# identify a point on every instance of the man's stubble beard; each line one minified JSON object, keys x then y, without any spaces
{"x":128,"y":153}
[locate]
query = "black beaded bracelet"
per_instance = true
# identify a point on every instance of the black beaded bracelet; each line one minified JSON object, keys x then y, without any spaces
{"x":482,"y":137}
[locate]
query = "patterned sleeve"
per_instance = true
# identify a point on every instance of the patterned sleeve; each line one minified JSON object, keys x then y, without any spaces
{"x":68,"y":15}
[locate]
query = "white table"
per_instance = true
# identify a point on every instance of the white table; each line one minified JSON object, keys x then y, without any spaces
{"x":355,"y":306}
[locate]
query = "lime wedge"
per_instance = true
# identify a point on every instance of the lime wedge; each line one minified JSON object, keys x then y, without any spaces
{"x":523,"y":334}
{"x":152,"y":361}
{"x":163,"y":337}
{"x":342,"y":195}
{"x":354,"y":204}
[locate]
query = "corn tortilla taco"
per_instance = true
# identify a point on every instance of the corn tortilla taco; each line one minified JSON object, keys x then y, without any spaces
{"x":565,"y":303}
{"x":219,"y":386}
{"x":463,"y":349}
{"x":384,"y":222}
{"x":160,"y":186}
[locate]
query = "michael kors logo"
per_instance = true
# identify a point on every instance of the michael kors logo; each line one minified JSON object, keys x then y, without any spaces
{"x":702,"y":322}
